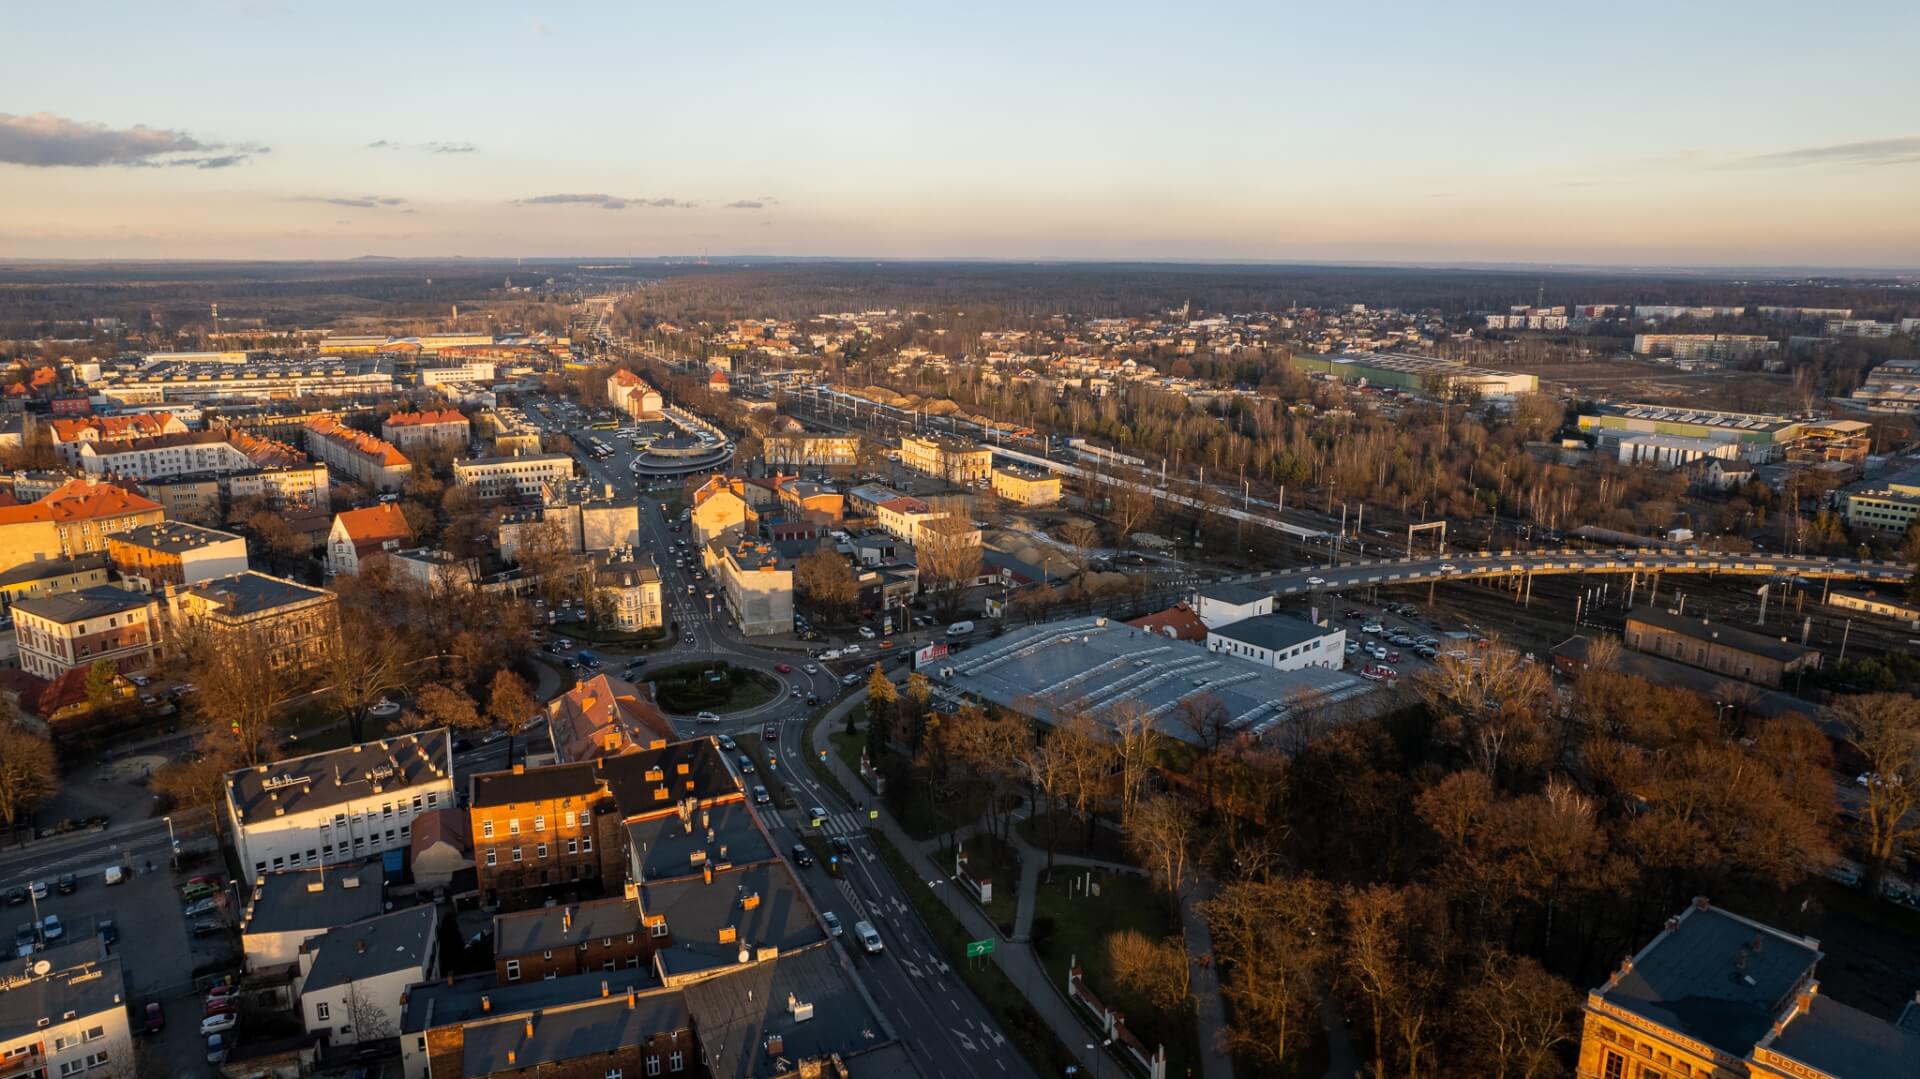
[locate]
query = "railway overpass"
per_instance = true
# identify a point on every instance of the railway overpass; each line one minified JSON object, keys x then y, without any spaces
{"x":1523,"y":565}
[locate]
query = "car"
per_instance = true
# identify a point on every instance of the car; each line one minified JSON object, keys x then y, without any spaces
{"x":869,"y":937}
{"x":841,"y":845}
{"x":816,"y":815}
{"x":706,"y":717}
{"x":209,"y":880}
{"x":726,"y":742}
{"x":16,"y":896}
{"x":852,"y":678}
{"x":812,"y":699}
{"x":1351,"y":615}
{"x":867,"y":633}
{"x":39,"y":889}
{"x":221,"y":990}
{"x":26,"y":939}
{"x":1448,"y":567}
{"x":573,"y":665}
{"x":216,"y":1044}
{"x":155,"y":1018}
{"x":1353,"y":647}
{"x":761,"y":797}
{"x":833,"y":922}
{"x":1393,"y":657}
{"x":1372,"y":628}
{"x":794,"y":692}
{"x":1316,"y":582}
{"x":746,"y":764}
{"x":769,"y":732}
{"x":203,"y":905}
{"x":689,"y":590}
{"x":802,"y":857}
{"x":109,"y":933}
{"x":811,"y":669}
{"x":140,"y":680}
{"x":222,"y":1005}
{"x":51,"y":929}
{"x":783,"y":668}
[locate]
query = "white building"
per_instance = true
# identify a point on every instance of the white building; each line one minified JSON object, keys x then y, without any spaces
{"x":353,"y":977}
{"x":343,"y":805}
{"x":1229,"y":602}
{"x":1280,"y":641}
{"x":286,"y":909}
{"x":63,"y":1012}
{"x":497,"y":478}
{"x":1674,"y":451}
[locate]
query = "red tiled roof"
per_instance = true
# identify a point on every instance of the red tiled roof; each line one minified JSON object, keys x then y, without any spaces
{"x":375,"y":524}
{"x":140,"y":425}
{"x":80,"y":500}
{"x":425,"y":419}
{"x":605,"y":717}
{"x":365,"y":444}
{"x":1177,"y":621}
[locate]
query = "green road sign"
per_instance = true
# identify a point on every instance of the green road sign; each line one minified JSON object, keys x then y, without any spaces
{"x":978,"y":948}
{"x":873,"y":814}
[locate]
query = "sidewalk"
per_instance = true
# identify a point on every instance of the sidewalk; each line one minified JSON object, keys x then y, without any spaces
{"x":1018,"y":963}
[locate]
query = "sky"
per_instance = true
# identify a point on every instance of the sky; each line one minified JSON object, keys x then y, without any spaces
{"x":1693,"y":134}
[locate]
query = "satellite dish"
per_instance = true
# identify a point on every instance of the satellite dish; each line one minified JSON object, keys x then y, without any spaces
{"x":41,"y":967}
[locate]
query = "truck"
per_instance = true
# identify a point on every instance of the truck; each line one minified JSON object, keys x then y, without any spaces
{"x":960,"y":629}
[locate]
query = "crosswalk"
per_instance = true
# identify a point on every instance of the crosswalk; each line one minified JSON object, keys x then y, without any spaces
{"x":847,"y":824}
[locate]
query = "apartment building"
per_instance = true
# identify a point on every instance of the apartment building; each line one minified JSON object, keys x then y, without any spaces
{"x":902,"y":516}
{"x":163,"y":378}
{"x":721,"y":505}
{"x":1026,"y":486}
{"x":45,"y":578}
{"x":352,"y":981}
{"x":471,"y":372}
{"x":358,"y":534}
{"x":151,"y":557}
{"x":74,"y":519}
{"x":497,"y":479}
{"x":63,"y":1013}
{"x":596,"y":936}
{"x":440,"y":429}
{"x":283,"y":910}
{"x":1718,"y":995}
{"x":757,"y":580}
{"x":342,"y":805}
{"x":589,"y":1025}
{"x":1716,"y":347}
{"x":632,"y":394}
{"x":956,"y":460}
{"x":1888,"y":506}
{"x":805,"y":500}
{"x":357,"y":455}
{"x":71,"y":435}
{"x":605,"y":716}
{"x":59,"y":632}
{"x":298,"y":626}
{"x":633,"y":590}
{"x":534,"y":828}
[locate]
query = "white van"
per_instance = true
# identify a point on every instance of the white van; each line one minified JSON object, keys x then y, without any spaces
{"x":869,"y":937}
{"x":116,"y":874}
{"x":960,"y":629}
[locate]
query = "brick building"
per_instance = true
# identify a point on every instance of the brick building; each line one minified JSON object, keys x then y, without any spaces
{"x":1718,"y":647}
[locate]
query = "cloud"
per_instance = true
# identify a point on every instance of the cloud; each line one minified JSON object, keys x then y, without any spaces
{"x":44,"y":140}
{"x":540,"y":28}
{"x":1897,"y":151}
{"x":745,"y":204}
{"x":603,"y":201}
{"x":424,"y":147}
{"x":363,"y":202}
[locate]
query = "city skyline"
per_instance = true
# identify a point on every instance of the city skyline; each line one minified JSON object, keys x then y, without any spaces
{"x":1233,"y":133}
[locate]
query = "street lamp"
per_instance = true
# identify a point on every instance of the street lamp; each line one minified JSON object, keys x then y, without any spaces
{"x":173,"y":844}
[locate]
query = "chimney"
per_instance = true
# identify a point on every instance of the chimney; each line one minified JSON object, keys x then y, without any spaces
{"x":1700,"y":902}
{"x":566,"y":919}
{"x":520,"y":769}
{"x":633,"y":999}
{"x":529,"y":1026}
{"x":510,"y":1056}
{"x":486,"y":1003}
{"x":360,"y":946}
{"x":604,"y":988}
{"x":706,"y":870}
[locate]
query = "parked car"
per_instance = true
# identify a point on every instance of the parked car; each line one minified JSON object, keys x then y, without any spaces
{"x":833,"y":922}
{"x":109,"y":933}
{"x":204,"y":927}
{"x":769,"y":732}
{"x":39,"y":889}
{"x":16,"y":896}
{"x":216,"y":1044}
{"x":66,"y":884}
{"x":51,"y":929}
{"x":155,"y":1019}
{"x":26,"y":940}
{"x":867,"y":633}
{"x":802,"y":857}
{"x":811,"y":669}
{"x":194,"y":891}
{"x":205,"y":905}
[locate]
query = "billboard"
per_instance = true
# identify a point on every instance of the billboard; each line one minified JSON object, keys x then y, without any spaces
{"x":929,"y":654}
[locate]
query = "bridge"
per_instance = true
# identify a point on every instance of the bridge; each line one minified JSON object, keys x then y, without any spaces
{"x":1523,"y":565}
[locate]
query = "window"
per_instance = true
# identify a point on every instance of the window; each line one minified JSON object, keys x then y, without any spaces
{"x":71,"y":1067}
{"x":629,"y":938}
{"x":416,"y":803}
{"x":675,"y":1061}
{"x":387,"y":810}
{"x":294,"y":858}
{"x":540,"y":851}
{"x":573,"y":819}
{"x":658,"y":929}
{"x":1615,"y":1066}
{"x":573,"y":846}
{"x":61,"y":1043}
{"x":513,"y":970}
{"x":633,"y":961}
{"x":1649,"y":1073}
{"x":486,"y":828}
{"x":586,"y":843}
{"x":540,"y":824}
{"x":607,"y":965}
{"x":653,"y":1064}
{"x":323,"y":1011}
{"x":406,"y":831}
{"x":513,"y":826}
{"x":614,"y":1073}
{"x":94,"y":1034}
{"x":516,"y":854}
{"x":548,"y":954}
{"x":492,"y":857}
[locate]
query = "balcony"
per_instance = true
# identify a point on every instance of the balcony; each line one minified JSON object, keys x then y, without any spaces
{"x":30,"y":1065}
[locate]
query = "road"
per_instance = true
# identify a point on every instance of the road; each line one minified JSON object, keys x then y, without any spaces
{"x":1568,"y":560}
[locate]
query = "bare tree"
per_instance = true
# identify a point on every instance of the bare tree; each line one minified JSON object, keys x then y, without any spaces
{"x":510,"y":705}
{"x":199,"y":783}
{"x":1884,"y":728}
{"x":827,"y":581}
{"x":443,"y":705}
{"x":1512,"y":1018}
{"x":1135,"y":751}
{"x":1275,"y":941}
{"x":240,"y":683}
{"x":27,"y":770}
{"x":949,"y":563}
{"x":1159,"y":970}
{"x":1162,"y":835}
{"x":369,"y":1020}
{"x":1492,"y":706}
{"x":367,"y":663}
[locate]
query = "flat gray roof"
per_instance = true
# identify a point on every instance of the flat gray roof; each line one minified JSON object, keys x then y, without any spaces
{"x":1238,"y":593}
{"x":370,"y":948}
{"x":67,"y":608}
{"x":665,"y":847}
{"x":735,"y":1014}
{"x":1847,"y":1043}
{"x":473,"y":996}
{"x":318,"y":780}
{"x":1081,"y":664}
{"x":1272,"y":631}
{"x":565,"y":926}
{"x":696,"y":912}
{"x":313,"y":899}
{"x":85,"y":981}
{"x":570,"y":1032}
{"x":1705,"y":978}
{"x":250,"y":592}
{"x":174,"y":537}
